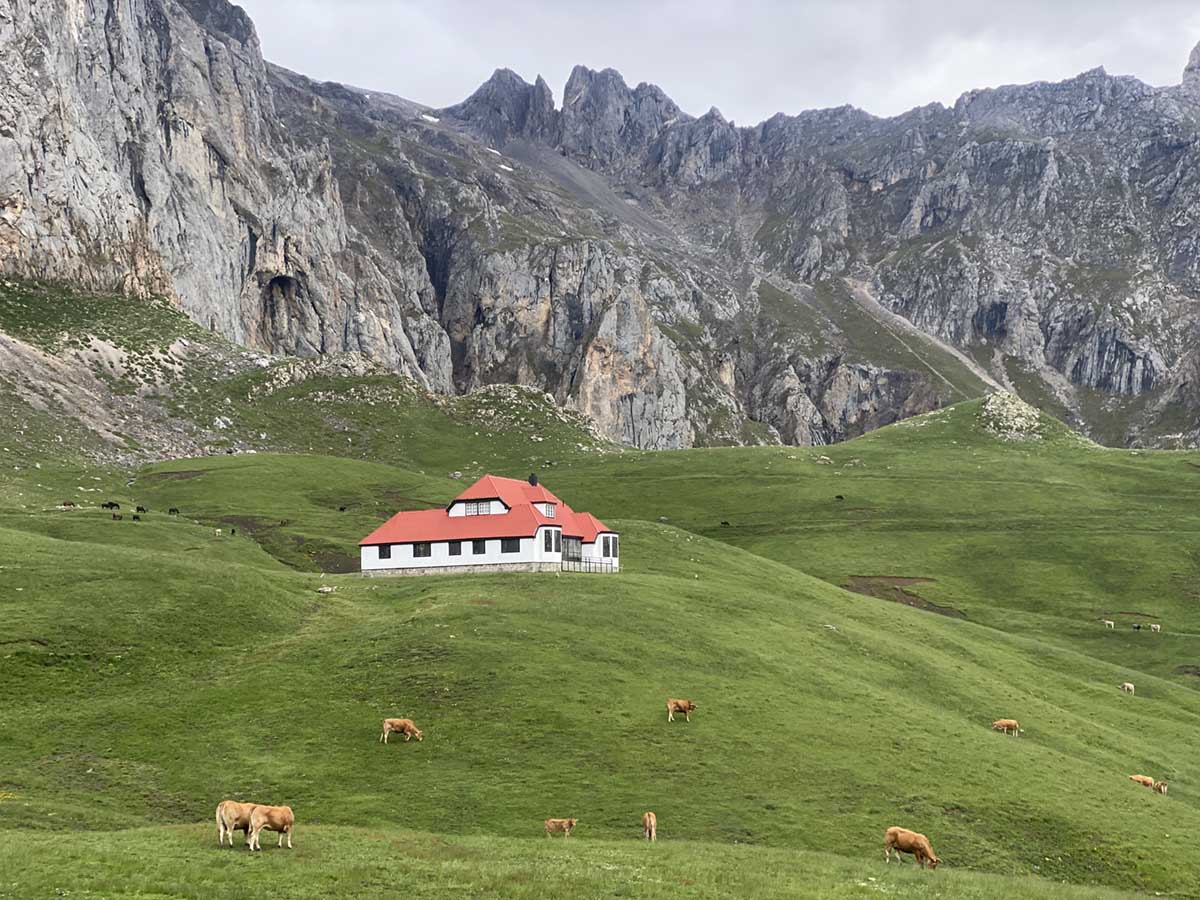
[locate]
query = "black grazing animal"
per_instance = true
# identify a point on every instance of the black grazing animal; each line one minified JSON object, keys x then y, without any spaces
{"x":1137,"y":626}
{"x":173,"y":511}
{"x":725,"y":524}
{"x":839,"y":497}
{"x":142,"y":509}
{"x":110,"y":505}
{"x":136,"y":517}
{"x":341,"y":509}
{"x":116,"y":517}
{"x":232,"y":532}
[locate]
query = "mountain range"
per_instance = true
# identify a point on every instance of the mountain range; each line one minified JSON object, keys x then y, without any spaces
{"x":681,"y":280}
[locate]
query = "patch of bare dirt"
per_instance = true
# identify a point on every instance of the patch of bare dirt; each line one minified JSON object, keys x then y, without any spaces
{"x":895,"y":589}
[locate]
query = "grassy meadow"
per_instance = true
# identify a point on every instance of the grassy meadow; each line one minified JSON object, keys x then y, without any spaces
{"x":849,"y":620}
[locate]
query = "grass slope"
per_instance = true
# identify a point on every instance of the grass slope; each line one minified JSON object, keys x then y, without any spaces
{"x":196,"y":667}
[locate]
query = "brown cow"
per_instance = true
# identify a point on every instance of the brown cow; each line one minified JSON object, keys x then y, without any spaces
{"x":649,"y":826}
{"x":687,"y":707}
{"x":1007,"y":725}
{"x":1143,"y":780}
{"x":405,"y":727}
{"x":901,"y":840}
{"x":232,"y":816}
{"x":566,"y":826}
{"x":272,"y":818}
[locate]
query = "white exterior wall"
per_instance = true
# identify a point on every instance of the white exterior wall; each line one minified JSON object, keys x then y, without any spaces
{"x":594,"y":551}
{"x":460,"y":508}
{"x":402,"y":557}
{"x":539,"y":546}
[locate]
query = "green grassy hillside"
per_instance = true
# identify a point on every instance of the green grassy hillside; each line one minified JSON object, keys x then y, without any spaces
{"x":152,"y":668}
{"x":149,"y":669}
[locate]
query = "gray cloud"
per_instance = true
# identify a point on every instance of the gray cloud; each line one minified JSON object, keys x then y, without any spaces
{"x":751,"y":58}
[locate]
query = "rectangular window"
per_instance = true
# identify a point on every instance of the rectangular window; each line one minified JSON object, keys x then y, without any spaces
{"x":422,"y":549}
{"x":550,"y":513}
{"x":455,"y":548}
{"x":573,"y":549}
{"x":510,"y":545}
{"x":607,"y":551}
{"x":549,"y":541}
{"x":477,"y":507}
{"x":558,"y":542}
{"x":616,"y":547}
{"x":479,"y":547}
{"x":385,"y":551}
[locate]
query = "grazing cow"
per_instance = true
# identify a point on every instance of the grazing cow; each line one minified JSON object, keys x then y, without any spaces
{"x":173,"y":511}
{"x":141,"y":509}
{"x":116,"y":517}
{"x":1109,"y":623}
{"x":232,"y":532}
{"x":901,"y":840}
{"x":136,"y":517}
{"x":1160,"y":787}
{"x":216,"y":532}
{"x":687,"y":707}
{"x":566,"y":826}
{"x":341,"y":509}
{"x":1143,"y":780}
{"x":272,"y":818}
{"x":1156,"y":628}
{"x":67,"y":504}
{"x":1007,"y":725}
{"x":724,"y":524}
{"x":1137,"y":626}
{"x":402,"y":726}
{"x":110,"y":505}
{"x":1127,"y":687}
{"x":232,"y":816}
{"x":649,"y":826}
{"x":839,"y":497}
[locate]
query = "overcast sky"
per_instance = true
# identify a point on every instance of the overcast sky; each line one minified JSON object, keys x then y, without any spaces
{"x":750,"y":58}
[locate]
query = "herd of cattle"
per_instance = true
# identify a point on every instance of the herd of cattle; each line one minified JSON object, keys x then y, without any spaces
{"x":254,"y":818}
{"x":113,"y":506}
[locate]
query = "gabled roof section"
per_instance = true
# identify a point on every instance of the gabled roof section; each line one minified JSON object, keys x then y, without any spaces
{"x":435,"y":525}
{"x":511,"y":491}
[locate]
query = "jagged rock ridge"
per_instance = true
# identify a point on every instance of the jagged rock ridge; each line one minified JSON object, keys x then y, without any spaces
{"x":680,"y":279}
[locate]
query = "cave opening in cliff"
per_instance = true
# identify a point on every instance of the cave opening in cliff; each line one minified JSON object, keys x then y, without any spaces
{"x":281,"y":297}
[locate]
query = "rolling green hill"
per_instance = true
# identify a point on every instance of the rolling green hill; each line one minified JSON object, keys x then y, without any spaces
{"x":149,"y":669}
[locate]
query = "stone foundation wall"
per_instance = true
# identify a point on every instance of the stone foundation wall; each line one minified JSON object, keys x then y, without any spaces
{"x":470,"y":570}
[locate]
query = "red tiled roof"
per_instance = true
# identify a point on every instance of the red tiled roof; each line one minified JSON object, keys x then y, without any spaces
{"x":522,"y":520}
{"x":512,"y":491}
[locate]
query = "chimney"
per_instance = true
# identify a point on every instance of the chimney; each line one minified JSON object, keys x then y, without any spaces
{"x":533,"y":479}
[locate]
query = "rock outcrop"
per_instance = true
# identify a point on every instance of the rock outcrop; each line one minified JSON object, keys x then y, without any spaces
{"x":682,"y":280}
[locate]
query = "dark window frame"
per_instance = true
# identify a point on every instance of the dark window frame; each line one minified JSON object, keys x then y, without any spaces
{"x":606,"y":547}
{"x":557,"y":541}
{"x":548,"y":542}
{"x":422,"y":549}
{"x":616,"y":547}
{"x":478,"y":547}
{"x":510,"y":545}
{"x":385,"y":551}
{"x":454,"y":548}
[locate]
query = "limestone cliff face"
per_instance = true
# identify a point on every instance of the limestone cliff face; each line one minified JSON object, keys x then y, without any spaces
{"x":681,"y":279}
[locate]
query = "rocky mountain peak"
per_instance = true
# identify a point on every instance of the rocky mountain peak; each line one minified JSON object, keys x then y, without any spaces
{"x":507,"y":106}
{"x":1191,"y":72}
{"x":223,"y":17}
